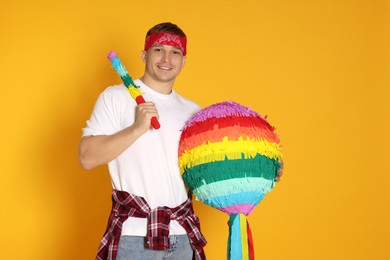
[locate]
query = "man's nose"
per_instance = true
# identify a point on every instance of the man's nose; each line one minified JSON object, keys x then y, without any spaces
{"x":166,"y":57}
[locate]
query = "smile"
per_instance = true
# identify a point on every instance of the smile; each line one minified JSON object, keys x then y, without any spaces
{"x":164,"y":68}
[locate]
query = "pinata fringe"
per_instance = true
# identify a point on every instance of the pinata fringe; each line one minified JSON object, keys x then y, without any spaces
{"x":134,"y":91}
{"x":232,"y":150}
{"x":239,"y":121}
{"x":127,"y":80}
{"x":190,"y":141}
{"x":120,"y":69}
{"x":233,"y":186}
{"x":259,"y":166}
{"x":243,"y":202}
{"x":222,"y":110}
{"x":117,"y":64}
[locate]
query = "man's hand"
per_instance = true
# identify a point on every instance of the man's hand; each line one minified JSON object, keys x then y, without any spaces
{"x":280,"y":171}
{"x":144,"y":114}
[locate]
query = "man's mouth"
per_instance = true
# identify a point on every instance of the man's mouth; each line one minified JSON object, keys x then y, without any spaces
{"x":161,"y":67}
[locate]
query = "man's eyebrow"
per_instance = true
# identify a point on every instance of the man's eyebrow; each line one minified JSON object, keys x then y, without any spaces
{"x":177,"y":49}
{"x":162,"y":45}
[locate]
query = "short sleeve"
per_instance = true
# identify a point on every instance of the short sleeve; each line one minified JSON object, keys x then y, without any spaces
{"x":104,"y":119}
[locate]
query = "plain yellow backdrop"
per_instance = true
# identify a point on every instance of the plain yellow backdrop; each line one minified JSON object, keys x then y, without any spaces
{"x":318,"y":69}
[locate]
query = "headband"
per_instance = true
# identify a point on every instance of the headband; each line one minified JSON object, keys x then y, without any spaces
{"x":166,"y":38}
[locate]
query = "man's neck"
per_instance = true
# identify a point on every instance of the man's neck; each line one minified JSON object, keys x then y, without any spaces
{"x":160,"y":87}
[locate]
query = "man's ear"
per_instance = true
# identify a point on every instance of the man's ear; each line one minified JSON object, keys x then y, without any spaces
{"x":143,"y":56}
{"x":183,"y":62}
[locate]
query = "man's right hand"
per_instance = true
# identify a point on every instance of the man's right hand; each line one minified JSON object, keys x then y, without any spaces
{"x":143,"y":116}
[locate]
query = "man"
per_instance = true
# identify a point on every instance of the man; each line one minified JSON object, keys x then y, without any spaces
{"x":149,"y":196}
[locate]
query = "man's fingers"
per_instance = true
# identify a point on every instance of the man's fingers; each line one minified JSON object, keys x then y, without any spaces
{"x":148,"y":109}
{"x":280,"y":172}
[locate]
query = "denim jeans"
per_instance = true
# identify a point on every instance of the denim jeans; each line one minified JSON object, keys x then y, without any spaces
{"x":133,"y":247}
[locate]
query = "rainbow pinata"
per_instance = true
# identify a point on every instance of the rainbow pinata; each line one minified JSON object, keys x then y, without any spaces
{"x":229,"y":157}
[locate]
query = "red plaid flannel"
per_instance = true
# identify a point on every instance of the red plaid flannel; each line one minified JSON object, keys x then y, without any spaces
{"x":126,"y":205}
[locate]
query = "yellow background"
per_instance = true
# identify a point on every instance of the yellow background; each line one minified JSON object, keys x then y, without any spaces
{"x":318,"y":69}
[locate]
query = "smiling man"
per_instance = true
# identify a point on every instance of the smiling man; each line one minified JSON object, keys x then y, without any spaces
{"x":164,"y":56}
{"x":152,"y":215}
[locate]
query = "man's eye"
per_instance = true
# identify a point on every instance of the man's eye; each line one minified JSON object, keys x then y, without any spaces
{"x":157,"y":49}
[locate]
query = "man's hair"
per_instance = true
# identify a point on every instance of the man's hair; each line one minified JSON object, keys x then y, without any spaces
{"x":166,"y":27}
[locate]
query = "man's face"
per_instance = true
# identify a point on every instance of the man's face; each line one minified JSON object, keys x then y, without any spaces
{"x":163,"y":63}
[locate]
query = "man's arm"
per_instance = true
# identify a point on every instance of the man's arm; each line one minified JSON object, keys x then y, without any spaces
{"x":101,"y":149}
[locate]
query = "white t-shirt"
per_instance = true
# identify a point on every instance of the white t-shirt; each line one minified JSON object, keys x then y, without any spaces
{"x":149,"y":167}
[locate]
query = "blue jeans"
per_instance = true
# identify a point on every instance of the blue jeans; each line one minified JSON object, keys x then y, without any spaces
{"x":133,"y":248}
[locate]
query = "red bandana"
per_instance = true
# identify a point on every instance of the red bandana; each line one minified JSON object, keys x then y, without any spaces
{"x":166,"y":38}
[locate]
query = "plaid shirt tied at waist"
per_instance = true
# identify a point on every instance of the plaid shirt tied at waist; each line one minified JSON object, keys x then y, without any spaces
{"x":126,"y":205}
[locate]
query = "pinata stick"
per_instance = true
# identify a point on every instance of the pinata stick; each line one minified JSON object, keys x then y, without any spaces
{"x":133,"y":89}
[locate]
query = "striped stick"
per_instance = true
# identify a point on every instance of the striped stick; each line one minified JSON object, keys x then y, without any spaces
{"x":133,"y":89}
